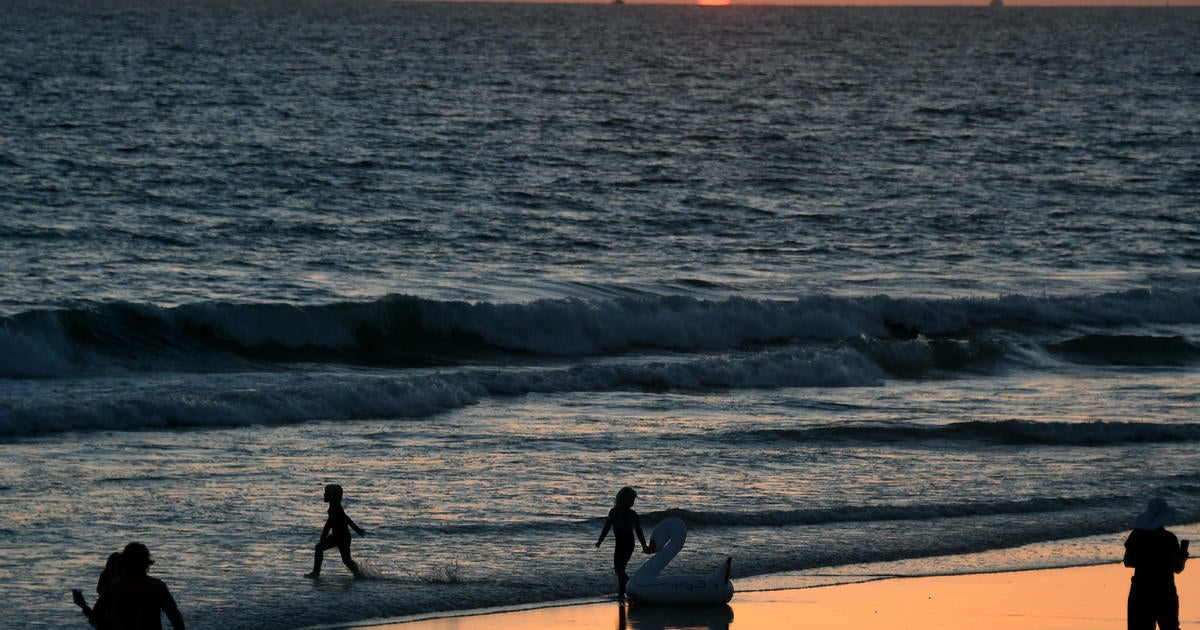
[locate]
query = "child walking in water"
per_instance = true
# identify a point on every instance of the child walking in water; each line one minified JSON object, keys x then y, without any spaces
{"x":336,"y":533}
{"x":624,"y":523}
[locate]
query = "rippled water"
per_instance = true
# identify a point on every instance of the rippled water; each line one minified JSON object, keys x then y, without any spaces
{"x":325,"y":151}
{"x":839,"y":286}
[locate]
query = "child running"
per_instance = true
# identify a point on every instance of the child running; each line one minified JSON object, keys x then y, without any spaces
{"x":336,"y":533}
{"x":624,"y":523}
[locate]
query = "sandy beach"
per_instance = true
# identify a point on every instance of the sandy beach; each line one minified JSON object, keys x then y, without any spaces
{"x":1045,"y":599}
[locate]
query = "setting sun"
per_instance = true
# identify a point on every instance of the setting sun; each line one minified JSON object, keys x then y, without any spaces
{"x":713,"y":3}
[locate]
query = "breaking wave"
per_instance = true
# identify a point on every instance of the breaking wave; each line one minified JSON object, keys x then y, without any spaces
{"x":1006,"y":432}
{"x":902,"y":335}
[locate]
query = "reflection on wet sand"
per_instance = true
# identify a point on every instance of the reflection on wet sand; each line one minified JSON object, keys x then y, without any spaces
{"x":644,"y":617}
{"x":1080,"y":598}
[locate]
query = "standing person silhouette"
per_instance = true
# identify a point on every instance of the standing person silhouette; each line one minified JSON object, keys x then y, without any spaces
{"x":1155,"y":556}
{"x":336,"y":533}
{"x":624,"y":523}
{"x":134,"y":600}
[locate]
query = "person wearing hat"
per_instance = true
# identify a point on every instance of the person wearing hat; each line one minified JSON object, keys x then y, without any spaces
{"x":1155,"y":555}
{"x":134,"y":600}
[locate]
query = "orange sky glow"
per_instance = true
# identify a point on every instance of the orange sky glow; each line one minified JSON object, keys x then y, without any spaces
{"x":890,"y":3}
{"x":948,"y":3}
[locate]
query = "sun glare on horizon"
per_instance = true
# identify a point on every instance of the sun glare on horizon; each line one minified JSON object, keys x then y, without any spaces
{"x":713,"y":3}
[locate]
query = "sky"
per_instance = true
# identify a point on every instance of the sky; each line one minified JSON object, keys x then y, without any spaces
{"x":1007,"y":3}
{"x":968,"y":3}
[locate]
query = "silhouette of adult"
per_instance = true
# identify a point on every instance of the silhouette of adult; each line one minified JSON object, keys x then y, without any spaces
{"x":1155,"y":556}
{"x":134,"y":600}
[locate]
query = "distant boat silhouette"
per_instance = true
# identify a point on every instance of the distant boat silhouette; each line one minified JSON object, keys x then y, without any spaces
{"x":996,"y":3}
{"x":618,"y":1}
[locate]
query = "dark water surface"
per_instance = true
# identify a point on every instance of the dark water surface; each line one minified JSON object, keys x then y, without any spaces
{"x":838,"y":286}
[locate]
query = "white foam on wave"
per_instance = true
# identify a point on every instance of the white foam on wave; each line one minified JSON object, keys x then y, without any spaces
{"x":250,"y":399}
{"x":400,"y":329}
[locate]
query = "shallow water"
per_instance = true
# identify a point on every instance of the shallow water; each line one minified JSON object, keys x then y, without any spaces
{"x":503,"y":499}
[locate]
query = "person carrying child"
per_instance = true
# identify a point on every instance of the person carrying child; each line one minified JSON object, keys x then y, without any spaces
{"x":133,"y":600}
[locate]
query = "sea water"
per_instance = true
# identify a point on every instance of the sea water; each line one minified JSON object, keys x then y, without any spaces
{"x":851,"y":290}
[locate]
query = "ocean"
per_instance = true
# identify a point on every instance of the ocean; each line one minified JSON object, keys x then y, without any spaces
{"x":853,"y":291}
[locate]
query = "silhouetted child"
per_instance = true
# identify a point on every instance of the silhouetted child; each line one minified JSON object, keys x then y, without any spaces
{"x":336,"y":533}
{"x":624,"y":523}
{"x":112,"y":569}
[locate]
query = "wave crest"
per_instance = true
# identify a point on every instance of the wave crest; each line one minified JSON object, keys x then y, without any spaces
{"x":1006,"y":432}
{"x":904,"y":336}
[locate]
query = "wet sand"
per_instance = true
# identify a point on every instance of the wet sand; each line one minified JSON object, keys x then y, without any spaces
{"x":1045,"y":599}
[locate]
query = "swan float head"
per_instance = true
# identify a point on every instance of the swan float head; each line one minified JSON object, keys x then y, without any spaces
{"x":648,"y":586}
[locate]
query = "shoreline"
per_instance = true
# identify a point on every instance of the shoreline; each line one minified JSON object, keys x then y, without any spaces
{"x":1077,"y":559}
{"x":1067,"y":598}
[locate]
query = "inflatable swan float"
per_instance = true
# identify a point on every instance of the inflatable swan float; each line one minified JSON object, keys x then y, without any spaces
{"x":647,"y":586}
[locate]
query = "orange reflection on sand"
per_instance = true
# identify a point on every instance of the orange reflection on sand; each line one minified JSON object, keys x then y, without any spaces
{"x":1051,"y":599}
{"x":1092,"y":597}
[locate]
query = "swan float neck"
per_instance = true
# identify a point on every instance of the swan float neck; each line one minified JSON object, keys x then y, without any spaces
{"x":648,"y":586}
